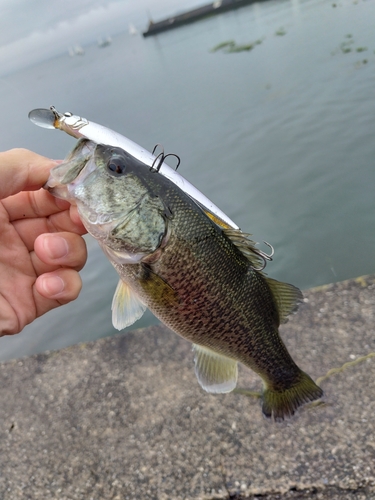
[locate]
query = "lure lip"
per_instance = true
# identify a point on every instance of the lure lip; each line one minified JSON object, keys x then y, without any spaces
{"x":44,"y":118}
{"x":78,"y":127}
{"x":53,"y":119}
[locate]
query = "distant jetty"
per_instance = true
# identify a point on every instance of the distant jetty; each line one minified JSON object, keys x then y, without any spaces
{"x":195,"y":14}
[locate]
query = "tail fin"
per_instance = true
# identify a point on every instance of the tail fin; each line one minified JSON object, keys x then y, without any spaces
{"x":281,"y":403}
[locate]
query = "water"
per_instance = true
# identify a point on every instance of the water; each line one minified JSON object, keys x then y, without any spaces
{"x":281,"y":137}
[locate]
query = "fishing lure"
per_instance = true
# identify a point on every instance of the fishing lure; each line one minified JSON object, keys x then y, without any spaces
{"x":79,"y":127}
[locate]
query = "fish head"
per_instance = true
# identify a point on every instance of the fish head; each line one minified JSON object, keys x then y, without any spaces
{"x":115,"y":202}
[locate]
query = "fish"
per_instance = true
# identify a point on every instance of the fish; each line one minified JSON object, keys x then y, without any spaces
{"x":201,"y":277}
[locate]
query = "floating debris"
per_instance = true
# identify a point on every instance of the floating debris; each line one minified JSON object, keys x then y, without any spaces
{"x":280,"y":32}
{"x":348,"y":46}
{"x":345,"y":48}
{"x":230,"y":46}
{"x":359,"y":64}
{"x":246,"y":47}
{"x":222,"y":45}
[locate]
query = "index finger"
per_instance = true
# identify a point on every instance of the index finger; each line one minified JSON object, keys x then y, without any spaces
{"x":22,"y":170}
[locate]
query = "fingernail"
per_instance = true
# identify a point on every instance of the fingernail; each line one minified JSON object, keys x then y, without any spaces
{"x":55,"y":246}
{"x":52,"y":285}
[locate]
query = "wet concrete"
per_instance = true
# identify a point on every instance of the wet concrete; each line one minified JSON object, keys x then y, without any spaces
{"x":124,"y":417}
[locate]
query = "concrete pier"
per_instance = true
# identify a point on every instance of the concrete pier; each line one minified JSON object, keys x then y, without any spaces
{"x":124,"y":417}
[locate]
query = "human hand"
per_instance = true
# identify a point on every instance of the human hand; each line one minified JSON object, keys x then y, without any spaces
{"x":41,"y":244}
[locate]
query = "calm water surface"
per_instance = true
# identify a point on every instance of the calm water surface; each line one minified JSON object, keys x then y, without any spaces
{"x":280,"y":137}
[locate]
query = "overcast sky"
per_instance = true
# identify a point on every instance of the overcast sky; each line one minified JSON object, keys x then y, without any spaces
{"x":35,"y":30}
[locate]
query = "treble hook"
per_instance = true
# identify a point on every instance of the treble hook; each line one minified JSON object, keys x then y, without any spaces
{"x":156,"y":147}
{"x":176,"y":156}
{"x":160,"y":158}
{"x":269,"y":256}
{"x":259,"y":254}
{"x":264,"y":256}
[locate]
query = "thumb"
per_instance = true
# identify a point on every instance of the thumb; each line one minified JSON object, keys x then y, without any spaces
{"x":23,"y":170}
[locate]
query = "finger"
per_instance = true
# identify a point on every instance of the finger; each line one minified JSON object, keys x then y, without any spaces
{"x":30,"y":229}
{"x":21,"y":170}
{"x":30,"y":204}
{"x":76,"y":219}
{"x":52,"y":251}
{"x":57,"y":288}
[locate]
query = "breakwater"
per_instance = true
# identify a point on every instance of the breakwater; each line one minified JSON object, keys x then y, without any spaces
{"x":194,"y":15}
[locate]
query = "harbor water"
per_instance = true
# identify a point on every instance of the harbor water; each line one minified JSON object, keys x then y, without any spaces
{"x":277,"y":127}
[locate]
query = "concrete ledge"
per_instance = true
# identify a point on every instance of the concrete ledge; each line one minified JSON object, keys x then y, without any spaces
{"x":124,"y":417}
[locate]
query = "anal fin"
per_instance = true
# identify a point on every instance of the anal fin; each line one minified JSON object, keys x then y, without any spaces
{"x":126,"y":306}
{"x":215,"y":373}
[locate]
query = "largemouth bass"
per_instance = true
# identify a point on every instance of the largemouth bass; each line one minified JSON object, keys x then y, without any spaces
{"x":199,"y":276}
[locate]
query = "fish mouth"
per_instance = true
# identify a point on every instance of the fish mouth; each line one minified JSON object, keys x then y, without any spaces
{"x":59,"y":191}
{"x":65,"y":176}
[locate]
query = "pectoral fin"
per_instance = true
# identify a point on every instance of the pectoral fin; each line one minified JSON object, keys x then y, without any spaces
{"x":126,"y":306}
{"x":215,"y":373}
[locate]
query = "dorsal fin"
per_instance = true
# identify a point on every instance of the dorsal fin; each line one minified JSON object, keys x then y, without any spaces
{"x":247,"y":247}
{"x":287,"y":297}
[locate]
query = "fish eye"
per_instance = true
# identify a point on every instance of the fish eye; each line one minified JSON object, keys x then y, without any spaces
{"x":116,"y":166}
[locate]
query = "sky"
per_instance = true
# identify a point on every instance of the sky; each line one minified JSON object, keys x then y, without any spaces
{"x":33,"y":31}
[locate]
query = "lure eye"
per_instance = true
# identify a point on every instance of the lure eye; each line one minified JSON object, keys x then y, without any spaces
{"x":116,"y":166}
